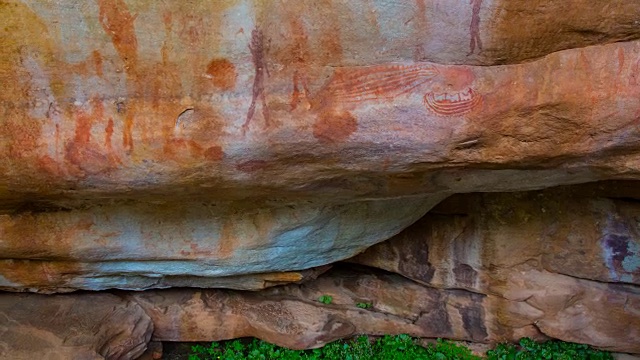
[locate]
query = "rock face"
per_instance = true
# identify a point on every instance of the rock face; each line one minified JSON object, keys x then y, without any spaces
{"x":243,"y":144}
{"x":564,"y":262}
{"x":146,"y":144}
{"x":291,"y":315}
{"x":90,"y":326}
{"x":484,"y":268}
{"x":181,"y":144}
{"x":200,"y":245}
{"x":152,"y":105}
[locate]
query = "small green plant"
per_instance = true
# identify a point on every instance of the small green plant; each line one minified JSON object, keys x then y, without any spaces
{"x":399,"y":347}
{"x":326,"y":299}
{"x":527,"y":349}
{"x":364,"y":305}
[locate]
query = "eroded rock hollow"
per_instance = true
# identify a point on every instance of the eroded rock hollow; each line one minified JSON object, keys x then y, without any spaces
{"x":216,"y":147}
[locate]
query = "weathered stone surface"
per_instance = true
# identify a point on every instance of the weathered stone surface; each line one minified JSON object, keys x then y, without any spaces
{"x":49,"y":277}
{"x":511,"y":30}
{"x":565,"y":260}
{"x":249,"y":128}
{"x":153,"y":105}
{"x":141,"y":246}
{"x":87,"y":326}
{"x":546,"y":305}
{"x":621,"y":356}
{"x":242,"y":143}
{"x":292,"y":316}
{"x":154,"y":351}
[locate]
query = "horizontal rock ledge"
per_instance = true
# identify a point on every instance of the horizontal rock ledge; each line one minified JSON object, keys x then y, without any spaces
{"x":306,"y":131}
{"x":143,"y":246}
{"x":80,"y":326}
{"x":292,"y":316}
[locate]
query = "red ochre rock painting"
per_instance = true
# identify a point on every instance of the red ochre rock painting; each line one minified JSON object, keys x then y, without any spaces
{"x":349,"y":86}
{"x":452,"y":104}
{"x":334,"y":127}
{"x":214,"y":153}
{"x":257,"y":48}
{"x":474,"y":27}
{"x":222,"y":74}
{"x":377,"y":82}
{"x":448,"y":90}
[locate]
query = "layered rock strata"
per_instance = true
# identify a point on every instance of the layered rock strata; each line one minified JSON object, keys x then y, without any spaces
{"x":483,"y":268}
{"x":243,"y":144}
{"x":479,"y":267}
{"x":148,"y":144}
{"x":80,"y":326}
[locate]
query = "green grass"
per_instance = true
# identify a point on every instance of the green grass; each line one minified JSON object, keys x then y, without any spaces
{"x":555,"y":350}
{"x":399,"y":347}
{"x":363,"y":305}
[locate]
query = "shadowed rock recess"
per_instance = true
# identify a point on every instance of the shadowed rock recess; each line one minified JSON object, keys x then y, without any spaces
{"x":215,"y":147}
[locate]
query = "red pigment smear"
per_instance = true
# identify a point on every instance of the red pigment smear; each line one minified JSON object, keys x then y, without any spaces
{"x":118,"y":24}
{"x":83,"y":128}
{"x":97,"y":61}
{"x":458,"y":77}
{"x":334,"y":127}
{"x":84,"y":122}
{"x":257,"y":52}
{"x":127,"y":136}
{"x":223,"y":74}
{"x":376,"y":82}
{"x":108,"y":133}
{"x":299,"y":56}
{"x":49,"y":166}
{"x":251,"y":166}
{"x":167,"y":18}
{"x":300,"y":90}
{"x":474,"y":28}
{"x":214,"y":153}
{"x":633,"y":79}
